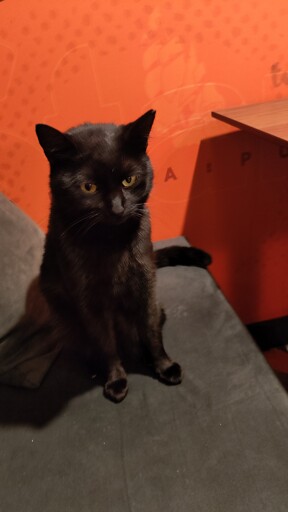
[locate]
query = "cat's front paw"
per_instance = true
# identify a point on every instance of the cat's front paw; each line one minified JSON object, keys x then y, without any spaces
{"x":116,"y":390}
{"x":172,"y":374}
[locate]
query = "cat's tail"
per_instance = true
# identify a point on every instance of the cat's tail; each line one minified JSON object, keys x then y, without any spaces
{"x":177,"y":255}
{"x":28,"y":350}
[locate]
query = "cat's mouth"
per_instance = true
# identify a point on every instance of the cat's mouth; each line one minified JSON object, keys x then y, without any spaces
{"x":126,"y":215}
{"x":117,"y":218}
{"x":87,"y":223}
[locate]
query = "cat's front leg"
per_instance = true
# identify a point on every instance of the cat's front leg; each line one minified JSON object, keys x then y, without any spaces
{"x":116,"y":385}
{"x":114,"y":376}
{"x":102,"y":350}
{"x":168,"y":371}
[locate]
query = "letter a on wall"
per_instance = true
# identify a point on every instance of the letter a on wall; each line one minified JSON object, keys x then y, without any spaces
{"x":170,"y":174}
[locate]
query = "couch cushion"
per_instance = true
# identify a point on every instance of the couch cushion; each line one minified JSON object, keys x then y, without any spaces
{"x":27,"y":349}
{"x":21,"y":248}
{"x":217,"y":442}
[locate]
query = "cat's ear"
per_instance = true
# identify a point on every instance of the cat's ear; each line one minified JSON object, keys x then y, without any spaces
{"x":56,"y":145}
{"x":136,"y":134}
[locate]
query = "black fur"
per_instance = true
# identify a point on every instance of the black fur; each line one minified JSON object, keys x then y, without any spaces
{"x":176,"y":255}
{"x":98,"y":269}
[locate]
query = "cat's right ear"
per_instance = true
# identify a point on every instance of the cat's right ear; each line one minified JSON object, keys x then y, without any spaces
{"x":56,"y":145}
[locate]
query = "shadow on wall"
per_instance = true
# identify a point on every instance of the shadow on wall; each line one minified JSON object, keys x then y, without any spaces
{"x":237,"y":211}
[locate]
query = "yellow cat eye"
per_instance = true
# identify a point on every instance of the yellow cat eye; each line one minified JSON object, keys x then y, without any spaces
{"x":129,"y":181}
{"x":88,"y":188}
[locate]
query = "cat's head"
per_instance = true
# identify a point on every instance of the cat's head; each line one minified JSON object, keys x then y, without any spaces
{"x":100,"y":171}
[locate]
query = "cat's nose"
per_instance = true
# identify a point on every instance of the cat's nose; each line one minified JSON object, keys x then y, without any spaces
{"x":117,"y":205}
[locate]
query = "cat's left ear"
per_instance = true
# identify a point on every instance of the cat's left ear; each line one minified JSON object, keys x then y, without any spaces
{"x":137,"y":133}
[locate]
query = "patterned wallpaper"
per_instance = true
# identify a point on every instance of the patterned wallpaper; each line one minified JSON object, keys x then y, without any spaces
{"x":68,"y":62}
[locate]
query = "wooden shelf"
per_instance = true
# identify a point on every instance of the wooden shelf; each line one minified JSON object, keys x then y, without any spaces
{"x":269,"y":119}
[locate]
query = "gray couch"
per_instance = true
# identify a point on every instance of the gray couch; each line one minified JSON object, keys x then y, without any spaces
{"x":216,"y":443}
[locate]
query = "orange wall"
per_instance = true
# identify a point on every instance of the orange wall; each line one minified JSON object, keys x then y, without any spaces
{"x":70,"y":61}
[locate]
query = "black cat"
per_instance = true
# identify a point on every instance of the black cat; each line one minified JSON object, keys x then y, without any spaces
{"x":98,"y":269}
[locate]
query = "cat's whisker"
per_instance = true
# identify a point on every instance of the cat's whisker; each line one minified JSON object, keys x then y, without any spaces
{"x":88,"y":217}
{"x":84,"y":229}
{"x":137,"y":210}
{"x":139,"y":205}
{"x":137,"y":214}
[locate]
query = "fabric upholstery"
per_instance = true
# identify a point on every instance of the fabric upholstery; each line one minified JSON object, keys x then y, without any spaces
{"x":26,"y":348}
{"x":215,"y":443}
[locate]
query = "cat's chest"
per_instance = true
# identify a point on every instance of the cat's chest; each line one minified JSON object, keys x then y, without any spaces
{"x":112,"y":272}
